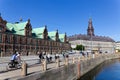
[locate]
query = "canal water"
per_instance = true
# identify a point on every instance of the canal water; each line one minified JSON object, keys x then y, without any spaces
{"x":109,"y":70}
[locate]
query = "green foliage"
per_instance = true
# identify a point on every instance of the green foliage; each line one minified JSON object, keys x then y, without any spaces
{"x":80,"y":47}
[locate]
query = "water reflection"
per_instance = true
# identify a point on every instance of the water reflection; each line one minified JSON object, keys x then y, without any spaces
{"x":109,"y":70}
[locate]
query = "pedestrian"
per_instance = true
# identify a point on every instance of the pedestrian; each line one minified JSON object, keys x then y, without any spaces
{"x":87,"y":54}
{"x":48,"y":57}
{"x":93,"y":53}
{"x":40,"y":56}
{"x":83,"y":54}
{"x":67,"y":55}
{"x":64,"y":55}
{"x":55,"y":57}
{"x":27,"y":53}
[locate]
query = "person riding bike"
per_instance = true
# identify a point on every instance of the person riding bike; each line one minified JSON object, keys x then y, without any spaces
{"x":18,"y":58}
{"x":13,"y":60}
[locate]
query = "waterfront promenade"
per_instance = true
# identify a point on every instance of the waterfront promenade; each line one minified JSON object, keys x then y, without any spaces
{"x":87,"y":64}
{"x":33,"y":66}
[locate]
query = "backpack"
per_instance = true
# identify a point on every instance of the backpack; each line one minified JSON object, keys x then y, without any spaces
{"x":14,"y":57}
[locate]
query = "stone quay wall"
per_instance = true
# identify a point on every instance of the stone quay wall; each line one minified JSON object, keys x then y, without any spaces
{"x":72,"y":71}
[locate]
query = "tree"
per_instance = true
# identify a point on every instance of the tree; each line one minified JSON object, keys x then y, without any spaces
{"x":80,"y":47}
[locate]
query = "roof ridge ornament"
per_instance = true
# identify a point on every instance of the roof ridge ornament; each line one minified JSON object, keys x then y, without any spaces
{"x":46,"y":26}
{"x":21,"y":19}
{"x":57,"y":30}
{"x":28,"y":20}
{"x":90,"y":20}
{"x":65,"y":33}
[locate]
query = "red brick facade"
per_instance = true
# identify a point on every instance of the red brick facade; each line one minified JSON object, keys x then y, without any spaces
{"x":10,"y":42}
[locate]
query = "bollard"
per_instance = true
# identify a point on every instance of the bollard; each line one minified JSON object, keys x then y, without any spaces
{"x":1,"y":54}
{"x":93,"y":55}
{"x":44,"y":65}
{"x":66,"y":61}
{"x":58,"y":63}
{"x":78,"y":70}
{"x":82,"y":58}
{"x":24,"y":69}
{"x":73,"y":59}
{"x":79,"y":58}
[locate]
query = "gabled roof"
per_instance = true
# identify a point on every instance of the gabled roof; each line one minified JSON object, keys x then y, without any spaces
{"x":17,"y":28}
{"x":61,"y":37}
{"x":52,"y":35}
{"x":38,"y":32}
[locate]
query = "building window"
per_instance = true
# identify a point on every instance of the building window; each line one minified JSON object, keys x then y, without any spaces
{"x":20,"y":40}
{"x":8,"y":38}
{"x":23,"y":40}
{"x":36,"y":42}
{"x":31,"y":42}
{"x":0,"y":28}
{"x":28,"y":41}
{"x":0,"y":37}
{"x":15,"y":39}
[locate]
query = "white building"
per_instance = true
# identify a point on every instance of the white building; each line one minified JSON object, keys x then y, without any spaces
{"x":92,"y":42}
{"x":118,"y":46}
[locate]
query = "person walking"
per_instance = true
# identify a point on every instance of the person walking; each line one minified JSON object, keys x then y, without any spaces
{"x":40,"y":56}
{"x":63,"y":55}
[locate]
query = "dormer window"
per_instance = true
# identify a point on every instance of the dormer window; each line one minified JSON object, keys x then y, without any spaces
{"x":0,"y":37}
{"x":0,"y":29}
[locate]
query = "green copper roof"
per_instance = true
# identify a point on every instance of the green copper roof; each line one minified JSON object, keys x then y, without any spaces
{"x":38,"y":32}
{"x":61,"y":37}
{"x":52,"y":35}
{"x":9,"y":26}
{"x":22,"y":32}
{"x":17,"y":28}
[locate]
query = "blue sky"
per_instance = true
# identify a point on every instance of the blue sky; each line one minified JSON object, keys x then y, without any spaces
{"x":70,"y":16}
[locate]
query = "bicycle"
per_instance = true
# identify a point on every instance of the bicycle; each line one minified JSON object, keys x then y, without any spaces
{"x":14,"y":64}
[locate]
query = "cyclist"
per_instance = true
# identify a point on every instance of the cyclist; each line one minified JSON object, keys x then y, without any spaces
{"x":13,"y":59}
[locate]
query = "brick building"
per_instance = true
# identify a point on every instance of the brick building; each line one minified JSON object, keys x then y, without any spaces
{"x":20,"y":36}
